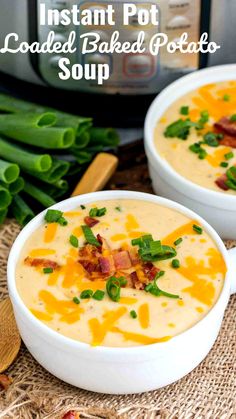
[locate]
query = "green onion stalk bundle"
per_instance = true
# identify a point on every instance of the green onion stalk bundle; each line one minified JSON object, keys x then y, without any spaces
{"x":33,"y":141}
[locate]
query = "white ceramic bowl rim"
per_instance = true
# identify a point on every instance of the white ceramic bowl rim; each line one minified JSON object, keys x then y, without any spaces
{"x":186,"y":84}
{"x":74,"y":202}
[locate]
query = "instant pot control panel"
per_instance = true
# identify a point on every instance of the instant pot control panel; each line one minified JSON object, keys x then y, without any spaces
{"x":129,"y":73}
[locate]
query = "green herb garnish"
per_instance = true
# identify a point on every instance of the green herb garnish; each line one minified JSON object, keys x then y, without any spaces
{"x":53,"y":216}
{"x":89,"y":236}
{"x":62,"y":221}
{"x":178,"y":241}
{"x":113,"y":287}
{"x":152,"y":250}
{"x":226,"y":98}
{"x":184,"y":110}
{"x":198,"y":229}
{"x":74,"y":241}
{"x":118,"y":209}
{"x":179,"y":129}
{"x":86,"y":294}
{"x":47,"y":270}
{"x":202,"y":121}
{"x":224,"y":164}
{"x":231,"y":173}
{"x":229,"y":155}
{"x":133,"y":314}
{"x":76,"y":300}
{"x":97,"y":212}
{"x":98,"y":295}
{"x":82,"y":207}
{"x":153,"y":288}
{"x":175,"y":263}
{"x":197,"y":149}
{"x":233,"y":118}
{"x":211,"y":139}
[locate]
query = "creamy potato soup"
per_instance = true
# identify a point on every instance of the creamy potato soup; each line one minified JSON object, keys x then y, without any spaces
{"x":197,"y":136}
{"x":120,"y":273}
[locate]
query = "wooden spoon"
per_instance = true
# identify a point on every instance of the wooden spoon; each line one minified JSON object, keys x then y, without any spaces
{"x":94,"y":179}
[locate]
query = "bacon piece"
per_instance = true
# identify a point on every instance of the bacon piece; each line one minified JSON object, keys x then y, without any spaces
{"x":89,"y":266}
{"x":221,"y":182}
{"x":150,"y":270}
{"x":90,"y":222}
{"x":5,"y":382}
{"x":106,"y":264}
{"x":122,"y":260}
{"x":40,"y":262}
{"x":133,"y":257}
{"x":227,"y":126}
{"x":228,"y":141}
{"x":136,"y":283}
{"x":71,"y":415}
{"x":100,"y":239}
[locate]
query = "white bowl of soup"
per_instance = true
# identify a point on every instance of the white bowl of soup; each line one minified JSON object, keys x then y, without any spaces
{"x":190,"y":142}
{"x":119,"y":292}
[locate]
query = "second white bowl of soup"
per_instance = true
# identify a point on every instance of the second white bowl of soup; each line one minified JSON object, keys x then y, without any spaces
{"x":119,"y":292}
{"x":190,"y":141}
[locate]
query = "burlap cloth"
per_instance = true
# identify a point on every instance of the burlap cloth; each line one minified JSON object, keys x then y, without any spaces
{"x":207,"y":392}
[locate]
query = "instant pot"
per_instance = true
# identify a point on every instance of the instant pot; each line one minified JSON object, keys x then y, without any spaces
{"x":135,"y":78}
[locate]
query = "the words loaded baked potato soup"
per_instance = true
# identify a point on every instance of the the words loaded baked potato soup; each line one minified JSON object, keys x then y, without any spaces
{"x":120,"y":273}
{"x":197,"y":136}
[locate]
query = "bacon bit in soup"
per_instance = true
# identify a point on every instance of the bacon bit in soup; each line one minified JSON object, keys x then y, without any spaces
{"x":90,"y":222}
{"x":221,"y":182}
{"x":122,"y":260}
{"x":41,"y":263}
{"x":226,"y":125}
{"x":5,"y":381}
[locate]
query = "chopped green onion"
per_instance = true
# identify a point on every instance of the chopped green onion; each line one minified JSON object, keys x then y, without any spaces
{"x":118,"y":209}
{"x":142,"y":241}
{"x":198,"y":229}
{"x":202,"y":154}
{"x":76,"y":300}
{"x":74,"y":241}
{"x":98,"y":295}
{"x":224,"y":164}
{"x":113,"y":287}
{"x":153,"y":288}
{"x":152,"y":250}
{"x":133,"y":314}
{"x":62,"y":221}
{"x":204,"y":117}
{"x":233,"y":118}
{"x":89,"y":236}
{"x":229,"y":155}
{"x":86,"y":294}
{"x":47,"y":270}
{"x":226,"y":98}
{"x":231,"y":174}
{"x":82,"y":207}
{"x":179,"y":129}
{"x":175,"y":263}
{"x":52,"y":216}
{"x":178,"y":241}
{"x":211,"y":139}
{"x":184,"y":110}
{"x":197,"y":149}
{"x":97,"y":212}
